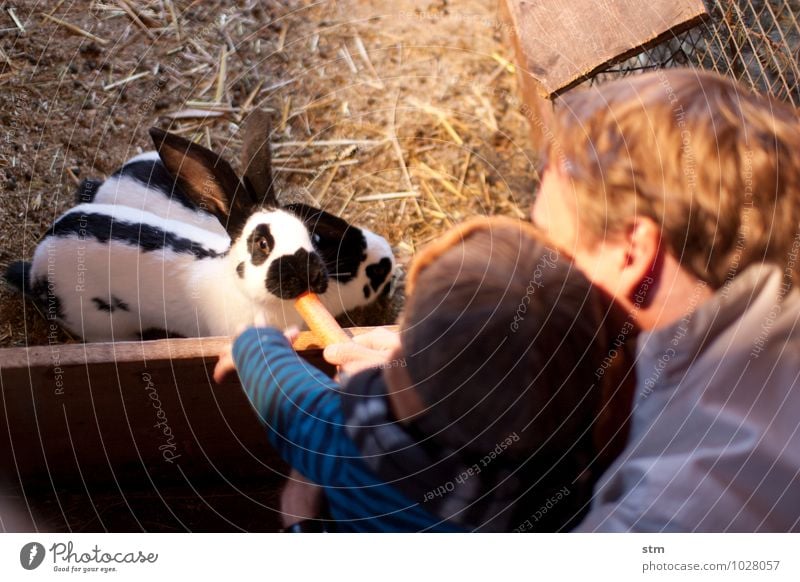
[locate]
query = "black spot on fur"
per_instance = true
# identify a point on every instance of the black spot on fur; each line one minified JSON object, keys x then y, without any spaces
{"x":47,"y":299}
{"x":157,"y":333}
{"x":111,"y":307}
{"x":290,"y":276}
{"x":386,"y":289}
{"x":87,"y":191}
{"x":366,"y":291}
{"x":102,"y":305}
{"x":153,"y":174}
{"x":148,"y":238}
{"x":240,"y":270}
{"x":340,"y":244}
{"x":17,"y":275}
{"x":377,"y":272}
{"x":258,"y":256}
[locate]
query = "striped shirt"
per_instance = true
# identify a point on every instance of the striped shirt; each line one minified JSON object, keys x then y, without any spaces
{"x":301,"y":409}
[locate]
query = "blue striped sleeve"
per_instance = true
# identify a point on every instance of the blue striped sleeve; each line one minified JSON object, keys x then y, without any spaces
{"x":298,"y":403}
{"x":302,"y":411}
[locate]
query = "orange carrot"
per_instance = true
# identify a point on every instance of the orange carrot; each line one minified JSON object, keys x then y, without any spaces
{"x":319,"y":319}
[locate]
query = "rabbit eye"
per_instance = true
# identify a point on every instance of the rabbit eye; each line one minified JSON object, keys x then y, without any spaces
{"x":316,"y":238}
{"x":259,"y":244}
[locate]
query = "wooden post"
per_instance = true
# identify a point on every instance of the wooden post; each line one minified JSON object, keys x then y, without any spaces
{"x":561,"y":44}
{"x":537,"y":107}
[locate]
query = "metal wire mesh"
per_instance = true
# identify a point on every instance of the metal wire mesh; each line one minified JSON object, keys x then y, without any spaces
{"x":754,"y":41}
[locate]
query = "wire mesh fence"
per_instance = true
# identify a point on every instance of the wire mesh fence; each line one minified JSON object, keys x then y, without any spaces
{"x":754,"y":41}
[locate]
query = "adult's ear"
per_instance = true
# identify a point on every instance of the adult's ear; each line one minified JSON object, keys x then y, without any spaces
{"x":640,"y":255}
{"x":207,"y":179}
{"x":623,"y":263}
{"x":257,"y":158}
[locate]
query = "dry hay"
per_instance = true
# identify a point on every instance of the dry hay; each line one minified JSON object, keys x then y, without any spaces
{"x":399,"y":116}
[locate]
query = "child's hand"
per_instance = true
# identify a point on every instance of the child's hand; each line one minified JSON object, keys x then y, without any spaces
{"x":226,"y":366}
{"x":300,"y":499}
{"x":368,"y":350}
{"x":291,"y":333}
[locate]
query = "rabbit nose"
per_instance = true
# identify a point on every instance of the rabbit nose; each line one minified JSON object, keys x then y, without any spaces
{"x":318,"y":276}
{"x":290,"y":276}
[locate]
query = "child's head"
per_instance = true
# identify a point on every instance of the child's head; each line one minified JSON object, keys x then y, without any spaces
{"x":504,"y":337}
{"x":712,"y":164}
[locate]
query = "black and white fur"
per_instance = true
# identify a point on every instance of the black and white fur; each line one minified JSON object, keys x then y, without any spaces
{"x":360,"y":263}
{"x":202,"y":255}
{"x":144,"y":183}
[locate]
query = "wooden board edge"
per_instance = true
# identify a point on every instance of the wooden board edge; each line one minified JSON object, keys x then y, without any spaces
{"x":695,"y":21}
{"x":133,"y":351}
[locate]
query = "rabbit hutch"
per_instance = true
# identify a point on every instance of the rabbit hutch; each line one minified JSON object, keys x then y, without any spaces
{"x":405,"y":117}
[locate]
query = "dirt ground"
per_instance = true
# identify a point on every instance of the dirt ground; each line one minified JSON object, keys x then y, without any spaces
{"x":401,"y":116}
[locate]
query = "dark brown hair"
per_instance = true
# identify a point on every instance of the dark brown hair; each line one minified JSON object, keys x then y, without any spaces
{"x":503,"y":336}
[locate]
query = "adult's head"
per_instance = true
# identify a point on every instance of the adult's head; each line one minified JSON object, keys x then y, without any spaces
{"x":666,"y":185}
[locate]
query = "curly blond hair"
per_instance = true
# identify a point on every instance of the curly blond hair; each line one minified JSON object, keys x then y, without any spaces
{"x":715,"y":165}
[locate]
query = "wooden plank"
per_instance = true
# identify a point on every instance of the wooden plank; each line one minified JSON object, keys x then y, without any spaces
{"x":132,"y":412}
{"x":563,"y":43}
{"x":536,"y":108}
{"x":134,"y":436}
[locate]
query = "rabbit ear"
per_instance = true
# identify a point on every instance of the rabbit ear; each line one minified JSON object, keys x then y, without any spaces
{"x":207,"y":179}
{"x":341,"y":245}
{"x":257,"y":158}
{"x":318,"y":221}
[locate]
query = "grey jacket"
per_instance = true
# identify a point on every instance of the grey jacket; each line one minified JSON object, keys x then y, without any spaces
{"x":715,"y":435}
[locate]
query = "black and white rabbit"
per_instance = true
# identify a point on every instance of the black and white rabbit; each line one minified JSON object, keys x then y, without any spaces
{"x":118,"y":271}
{"x":360,"y":263}
{"x":144,"y":182}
